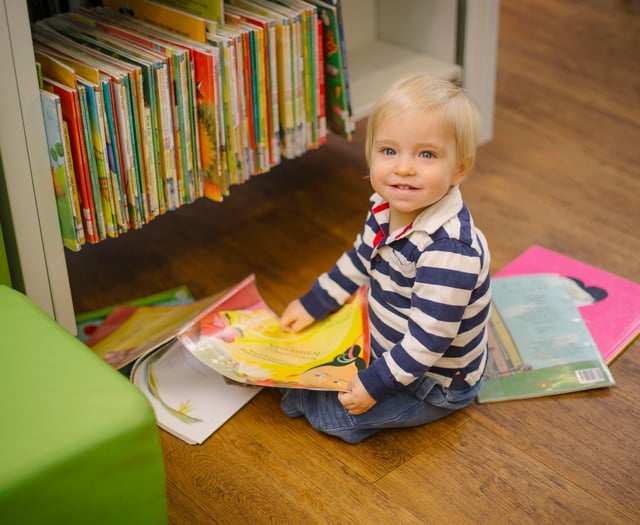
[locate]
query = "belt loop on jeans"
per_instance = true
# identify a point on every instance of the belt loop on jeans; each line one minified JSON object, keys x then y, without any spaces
{"x":458,"y":382}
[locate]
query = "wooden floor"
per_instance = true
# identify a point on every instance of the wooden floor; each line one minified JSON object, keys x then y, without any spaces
{"x":561,"y":172}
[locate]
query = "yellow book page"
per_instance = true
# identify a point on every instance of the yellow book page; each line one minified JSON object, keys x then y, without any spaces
{"x":249,"y":346}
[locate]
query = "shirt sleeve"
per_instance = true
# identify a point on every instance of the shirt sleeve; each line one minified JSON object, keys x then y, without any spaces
{"x":334,"y":288}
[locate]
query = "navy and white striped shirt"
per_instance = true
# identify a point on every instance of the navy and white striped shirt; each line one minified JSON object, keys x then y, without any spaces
{"x":429,"y":295}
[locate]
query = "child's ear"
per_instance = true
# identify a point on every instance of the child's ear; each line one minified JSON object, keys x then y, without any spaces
{"x":463,"y":170}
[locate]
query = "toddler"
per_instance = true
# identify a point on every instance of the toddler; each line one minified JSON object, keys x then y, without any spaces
{"x":426,"y":266}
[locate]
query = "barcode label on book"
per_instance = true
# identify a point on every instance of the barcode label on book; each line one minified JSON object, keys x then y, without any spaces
{"x":589,"y":375}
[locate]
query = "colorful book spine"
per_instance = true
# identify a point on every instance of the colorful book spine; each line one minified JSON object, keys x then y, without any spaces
{"x":71,"y":113}
{"x":101,"y":184}
{"x":59,"y":162}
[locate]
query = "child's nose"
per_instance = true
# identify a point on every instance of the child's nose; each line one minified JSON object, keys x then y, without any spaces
{"x":405,"y":166}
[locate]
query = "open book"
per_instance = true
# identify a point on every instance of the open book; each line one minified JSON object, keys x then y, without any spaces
{"x":183,"y":353}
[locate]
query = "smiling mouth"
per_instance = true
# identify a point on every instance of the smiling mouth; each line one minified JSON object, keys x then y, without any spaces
{"x":403,"y":187}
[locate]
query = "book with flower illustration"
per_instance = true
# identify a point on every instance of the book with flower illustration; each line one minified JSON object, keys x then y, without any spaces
{"x":191,"y":360}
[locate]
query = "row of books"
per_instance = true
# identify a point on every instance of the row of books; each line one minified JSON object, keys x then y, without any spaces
{"x":148,"y":112}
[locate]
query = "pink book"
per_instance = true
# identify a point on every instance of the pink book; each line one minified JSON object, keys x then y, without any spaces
{"x":610,"y":305}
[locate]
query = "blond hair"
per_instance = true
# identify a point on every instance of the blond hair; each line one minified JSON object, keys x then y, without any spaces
{"x":425,"y":93}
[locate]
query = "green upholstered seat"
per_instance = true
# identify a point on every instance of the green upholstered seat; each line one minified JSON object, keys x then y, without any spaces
{"x":78,"y":443}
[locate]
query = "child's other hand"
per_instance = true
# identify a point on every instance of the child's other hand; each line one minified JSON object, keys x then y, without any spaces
{"x":357,"y":400}
{"x":295,"y":317}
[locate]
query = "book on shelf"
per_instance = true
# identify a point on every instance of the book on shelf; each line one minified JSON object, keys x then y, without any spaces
{"x":267,"y":66}
{"x":138,"y":66}
{"x":165,"y":115}
{"x":255,"y":87}
{"x":182,"y":353}
{"x":61,"y":173}
{"x":177,"y":78}
{"x":308,"y":49}
{"x":206,"y":74}
{"x":169,"y":17}
{"x":70,"y":105}
{"x":539,"y":345}
{"x":95,"y":128}
{"x":608,"y":303}
{"x":339,"y":116}
{"x":210,"y":10}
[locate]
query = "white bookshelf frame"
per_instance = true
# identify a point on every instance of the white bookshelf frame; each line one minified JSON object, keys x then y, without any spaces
{"x":385,"y":39}
{"x":27,"y":203}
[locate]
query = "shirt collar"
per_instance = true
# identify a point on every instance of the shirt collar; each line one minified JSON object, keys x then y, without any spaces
{"x":429,"y":220}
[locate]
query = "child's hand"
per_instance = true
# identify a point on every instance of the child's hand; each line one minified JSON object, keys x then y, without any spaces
{"x":357,"y":400}
{"x":295,"y":317}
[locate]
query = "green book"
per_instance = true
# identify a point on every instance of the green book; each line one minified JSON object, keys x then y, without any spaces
{"x":59,"y":158}
{"x":539,"y":344}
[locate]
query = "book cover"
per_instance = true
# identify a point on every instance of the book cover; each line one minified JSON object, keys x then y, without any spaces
{"x":83,"y":98}
{"x":89,"y":322}
{"x":128,"y":332}
{"x":73,"y":185}
{"x":58,"y":160}
{"x":95,"y":105}
{"x":609,"y":304}
{"x":539,"y":344}
{"x":241,"y":338}
{"x":322,"y":114}
{"x":71,"y":115}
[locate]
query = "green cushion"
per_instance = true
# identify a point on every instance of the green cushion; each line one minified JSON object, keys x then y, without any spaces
{"x":79,"y":443}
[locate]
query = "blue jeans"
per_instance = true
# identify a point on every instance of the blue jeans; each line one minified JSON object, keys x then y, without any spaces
{"x":419,"y":403}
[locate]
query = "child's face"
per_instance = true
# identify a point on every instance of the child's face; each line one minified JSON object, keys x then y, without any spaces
{"x":413,"y":163}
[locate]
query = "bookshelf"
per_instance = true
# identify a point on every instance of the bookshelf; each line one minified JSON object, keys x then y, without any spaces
{"x":385,"y":39}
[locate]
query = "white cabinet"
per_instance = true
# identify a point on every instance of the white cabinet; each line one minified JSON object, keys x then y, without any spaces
{"x":385,"y":39}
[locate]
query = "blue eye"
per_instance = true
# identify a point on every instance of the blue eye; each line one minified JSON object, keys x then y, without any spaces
{"x":387,"y":151}
{"x":426,"y":154}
